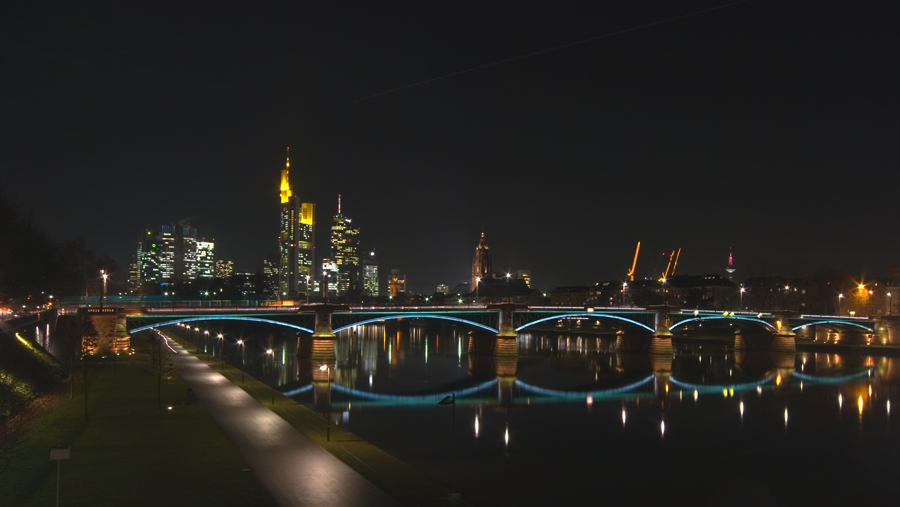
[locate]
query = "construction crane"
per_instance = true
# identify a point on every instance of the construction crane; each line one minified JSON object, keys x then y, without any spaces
{"x":634,"y":263}
{"x":671,"y":265}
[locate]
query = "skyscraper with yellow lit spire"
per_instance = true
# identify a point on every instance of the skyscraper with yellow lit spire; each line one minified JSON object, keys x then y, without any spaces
{"x":296,"y":241}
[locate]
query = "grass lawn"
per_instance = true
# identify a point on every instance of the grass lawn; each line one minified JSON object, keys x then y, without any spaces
{"x":129,"y":452}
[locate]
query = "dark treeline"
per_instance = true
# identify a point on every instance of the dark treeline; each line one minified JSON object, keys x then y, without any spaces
{"x":31,"y":263}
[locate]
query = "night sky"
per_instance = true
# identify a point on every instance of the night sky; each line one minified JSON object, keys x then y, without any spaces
{"x":766,"y":126}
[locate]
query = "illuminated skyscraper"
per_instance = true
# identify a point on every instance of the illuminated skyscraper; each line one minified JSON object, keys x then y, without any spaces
{"x":297,"y":238}
{"x":170,"y":256}
{"x":481,"y":264}
{"x":370,"y":273}
{"x":345,"y":251}
{"x":206,"y":261}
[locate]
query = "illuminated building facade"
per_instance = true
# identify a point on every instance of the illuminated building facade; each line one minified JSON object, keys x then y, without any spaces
{"x":370,"y":273}
{"x":224,"y":269}
{"x":397,"y":283}
{"x":296,"y":240}
{"x":185,"y":253}
{"x":267,"y":271}
{"x":170,"y":255}
{"x":331,"y":275}
{"x":524,"y":274}
{"x":443,"y":289}
{"x":481,"y":264}
{"x":345,"y":251}
{"x":206,"y":261}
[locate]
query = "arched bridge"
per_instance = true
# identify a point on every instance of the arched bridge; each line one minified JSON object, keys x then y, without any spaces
{"x":505,"y":319}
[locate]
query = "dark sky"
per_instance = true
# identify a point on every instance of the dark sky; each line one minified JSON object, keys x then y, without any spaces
{"x":767,"y":126}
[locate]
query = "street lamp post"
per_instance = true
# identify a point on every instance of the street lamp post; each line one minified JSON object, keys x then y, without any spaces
{"x":103,"y":275}
{"x":890,"y":303}
{"x":477,"y":286}
{"x":222,"y":349}
{"x":241,"y":343}
{"x":840,"y":296}
{"x":206,"y":338}
{"x":742,"y":297}
{"x":272,"y":353}
{"x":307,"y":289}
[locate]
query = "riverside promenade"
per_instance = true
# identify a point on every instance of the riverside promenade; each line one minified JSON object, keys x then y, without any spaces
{"x":292,"y":468}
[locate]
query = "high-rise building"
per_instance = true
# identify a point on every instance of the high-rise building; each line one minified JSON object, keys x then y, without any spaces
{"x":165,"y":255}
{"x":185,"y":253}
{"x":170,"y":255}
{"x":481,"y":264}
{"x":370,"y":273}
{"x":397,"y":283}
{"x":267,"y":272}
{"x":224,"y":269}
{"x":297,"y":238}
{"x":206,"y":260}
{"x":345,"y":251}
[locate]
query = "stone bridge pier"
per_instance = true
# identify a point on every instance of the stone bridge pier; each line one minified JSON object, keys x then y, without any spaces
{"x":661,"y":345}
{"x":323,"y":352}
{"x":785,"y":337}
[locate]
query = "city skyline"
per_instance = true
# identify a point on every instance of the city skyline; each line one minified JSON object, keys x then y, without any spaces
{"x":732,"y":124}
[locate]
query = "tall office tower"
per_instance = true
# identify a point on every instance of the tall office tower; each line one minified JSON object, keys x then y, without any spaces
{"x":345,"y":251}
{"x":481,"y":265}
{"x":206,"y":261}
{"x":165,"y":255}
{"x":297,"y":239}
{"x":185,"y":253}
{"x":224,"y":269}
{"x":370,"y":273}
{"x":267,"y":273}
{"x":134,"y":275}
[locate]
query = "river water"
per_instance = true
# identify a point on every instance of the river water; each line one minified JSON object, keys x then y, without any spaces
{"x":564,"y":418}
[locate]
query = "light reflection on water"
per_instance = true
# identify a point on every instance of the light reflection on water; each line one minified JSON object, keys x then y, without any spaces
{"x":587,"y":427}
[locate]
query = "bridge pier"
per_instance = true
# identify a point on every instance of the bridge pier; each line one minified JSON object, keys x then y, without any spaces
{"x":661,"y":345}
{"x":785,"y":337}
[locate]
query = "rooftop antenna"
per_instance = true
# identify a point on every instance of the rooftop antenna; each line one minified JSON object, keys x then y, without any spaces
{"x":339,"y":204}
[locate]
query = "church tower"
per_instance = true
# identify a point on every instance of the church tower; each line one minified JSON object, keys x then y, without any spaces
{"x":481,"y":265}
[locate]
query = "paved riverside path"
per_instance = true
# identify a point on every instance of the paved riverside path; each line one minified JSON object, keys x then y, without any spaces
{"x":294,"y":469}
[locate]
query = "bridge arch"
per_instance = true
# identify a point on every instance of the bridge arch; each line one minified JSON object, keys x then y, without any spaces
{"x":416,"y":316}
{"x":586,"y":314}
{"x":839,"y":322}
{"x":583,"y":394}
{"x":722,"y":317}
{"x":219,"y":317}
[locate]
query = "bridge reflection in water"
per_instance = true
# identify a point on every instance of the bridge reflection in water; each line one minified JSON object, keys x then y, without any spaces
{"x":393,"y":363}
{"x":595,"y":405}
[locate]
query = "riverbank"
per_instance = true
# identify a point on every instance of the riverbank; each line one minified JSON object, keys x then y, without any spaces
{"x":129,"y":452}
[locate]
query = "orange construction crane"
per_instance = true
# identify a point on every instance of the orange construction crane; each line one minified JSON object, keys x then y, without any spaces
{"x":634,"y":263}
{"x":672,"y":266}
